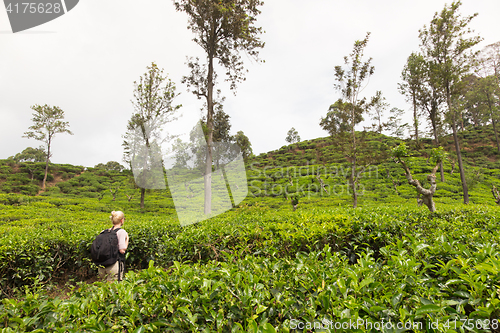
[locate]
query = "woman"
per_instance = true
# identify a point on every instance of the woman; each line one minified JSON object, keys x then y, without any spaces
{"x":115,"y":271}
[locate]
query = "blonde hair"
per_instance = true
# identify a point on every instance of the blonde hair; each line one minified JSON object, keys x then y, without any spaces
{"x":117,"y":217}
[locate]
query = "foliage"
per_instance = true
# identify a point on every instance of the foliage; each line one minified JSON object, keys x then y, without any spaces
{"x":256,"y":268}
{"x":260,"y":267}
{"x":153,"y":108}
{"x":30,"y":155}
{"x":337,"y":119}
{"x":222,"y":126}
{"x":345,"y":115}
{"x":223,"y":29}
{"x":448,"y":51}
{"x":394,"y":123}
{"x":489,"y":60}
{"x":244,"y":143}
{"x":379,"y":108}
{"x":110,"y":166}
{"x":292,"y":136}
{"x":47,"y":122}
{"x":481,"y":102}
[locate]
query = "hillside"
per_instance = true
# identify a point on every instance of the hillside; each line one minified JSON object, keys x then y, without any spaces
{"x":293,"y":169}
{"x":478,"y":149}
{"x":261,"y":266}
{"x":383,"y":181}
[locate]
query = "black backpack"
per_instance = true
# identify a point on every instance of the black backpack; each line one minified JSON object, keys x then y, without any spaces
{"x":104,"y":249}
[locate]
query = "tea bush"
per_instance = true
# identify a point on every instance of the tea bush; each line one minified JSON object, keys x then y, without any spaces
{"x":444,"y":286}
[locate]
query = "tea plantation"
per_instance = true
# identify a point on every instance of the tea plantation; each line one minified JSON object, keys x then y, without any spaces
{"x":386,"y":266}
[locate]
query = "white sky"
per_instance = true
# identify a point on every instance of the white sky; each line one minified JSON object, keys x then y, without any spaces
{"x":87,"y":60}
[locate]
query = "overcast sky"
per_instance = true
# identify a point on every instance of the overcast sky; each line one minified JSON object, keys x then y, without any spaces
{"x":86,"y":61}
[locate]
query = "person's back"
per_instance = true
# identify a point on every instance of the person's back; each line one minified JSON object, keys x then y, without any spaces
{"x":115,"y":271}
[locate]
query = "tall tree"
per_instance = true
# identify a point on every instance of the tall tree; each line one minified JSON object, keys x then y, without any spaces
{"x":489,"y":60}
{"x":430,"y":99}
{"x":348,"y":111}
{"x":395,"y":123}
{"x":474,"y":111}
{"x":420,"y":85}
{"x":446,"y":45}
{"x":489,"y":71}
{"x":223,"y":29}
{"x":413,"y":75}
{"x":153,"y":107}
{"x":379,"y":109}
{"x":47,"y":122}
{"x":181,"y":154}
{"x":246,"y":147}
{"x":292,"y":136}
{"x":482,"y":102}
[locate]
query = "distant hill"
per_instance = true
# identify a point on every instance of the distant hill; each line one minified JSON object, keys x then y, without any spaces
{"x":293,"y":168}
{"x":478,"y":148}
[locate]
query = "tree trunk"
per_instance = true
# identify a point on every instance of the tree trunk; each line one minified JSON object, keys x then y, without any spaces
{"x":496,"y":195}
{"x":353,"y":163}
{"x":46,"y":171}
{"x":427,"y":195}
{"x":210,"y":127}
{"x":457,"y":149}
{"x":415,"y":119}
{"x":428,"y":201}
{"x":436,"y":141}
{"x":353,"y":183}
{"x":462,"y":121}
{"x":433,"y":113}
{"x":493,"y":121}
{"x":46,"y":165}
{"x":496,"y":133}
{"x":143,"y":189}
{"x":143,"y":192}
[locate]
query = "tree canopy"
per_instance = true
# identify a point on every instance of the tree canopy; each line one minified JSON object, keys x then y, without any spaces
{"x":447,"y":47}
{"x":153,"y":103}
{"x":47,"y":122}
{"x":223,"y":29}
{"x":30,"y":154}
{"x":347,"y":112}
{"x":292,"y":136}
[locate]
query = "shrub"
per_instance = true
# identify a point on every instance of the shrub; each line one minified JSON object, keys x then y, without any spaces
{"x":29,"y":189}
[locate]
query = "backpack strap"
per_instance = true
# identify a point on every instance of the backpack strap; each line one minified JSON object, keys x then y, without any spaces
{"x":120,"y":261}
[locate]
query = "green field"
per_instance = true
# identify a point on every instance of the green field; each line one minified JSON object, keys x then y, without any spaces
{"x":254,"y":268}
{"x":261,"y":266}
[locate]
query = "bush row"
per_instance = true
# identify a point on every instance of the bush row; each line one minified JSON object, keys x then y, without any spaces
{"x":42,"y":242}
{"x":408,"y":288}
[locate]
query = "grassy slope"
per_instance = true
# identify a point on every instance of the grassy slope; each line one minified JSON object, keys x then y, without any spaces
{"x":385,"y":181}
{"x":262,"y":253}
{"x":269,"y":174}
